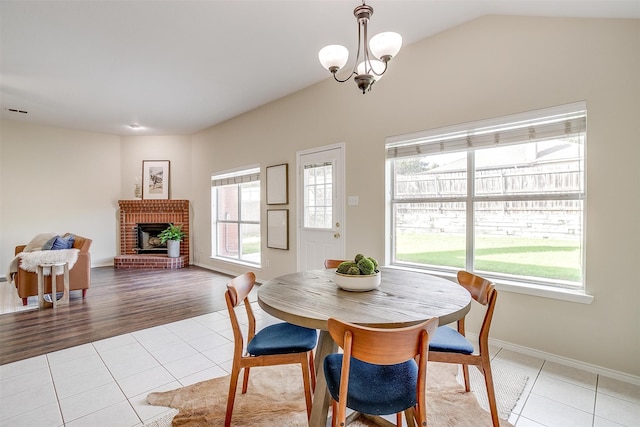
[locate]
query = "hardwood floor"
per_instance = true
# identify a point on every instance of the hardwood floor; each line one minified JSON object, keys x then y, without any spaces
{"x":118,"y":302}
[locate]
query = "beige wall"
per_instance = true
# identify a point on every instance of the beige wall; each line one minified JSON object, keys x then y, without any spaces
{"x":485,"y":68}
{"x":176,"y":149}
{"x":58,"y":180}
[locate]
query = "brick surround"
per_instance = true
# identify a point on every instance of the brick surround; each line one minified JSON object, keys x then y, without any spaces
{"x":133,"y":212}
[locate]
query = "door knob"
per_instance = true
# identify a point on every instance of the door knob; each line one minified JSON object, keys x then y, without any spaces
{"x":336,"y":236}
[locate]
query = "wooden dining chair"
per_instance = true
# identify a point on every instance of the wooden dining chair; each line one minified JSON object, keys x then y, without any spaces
{"x":451,"y":346}
{"x":382,"y":371}
{"x":278,"y":344}
{"x":333,"y":263}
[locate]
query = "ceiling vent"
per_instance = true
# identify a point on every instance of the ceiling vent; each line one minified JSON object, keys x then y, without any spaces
{"x":15,"y":110}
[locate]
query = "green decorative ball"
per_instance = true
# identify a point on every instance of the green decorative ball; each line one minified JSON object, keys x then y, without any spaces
{"x":366,"y":266}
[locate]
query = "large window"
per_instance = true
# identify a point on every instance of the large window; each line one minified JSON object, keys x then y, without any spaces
{"x":503,"y":198}
{"x":235,"y":207}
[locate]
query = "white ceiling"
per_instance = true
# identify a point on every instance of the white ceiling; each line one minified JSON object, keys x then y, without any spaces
{"x":177,"y":67}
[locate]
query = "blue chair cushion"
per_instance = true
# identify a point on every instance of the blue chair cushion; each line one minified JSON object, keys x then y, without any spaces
{"x":282,"y":338}
{"x":449,"y":340}
{"x":374,"y":389}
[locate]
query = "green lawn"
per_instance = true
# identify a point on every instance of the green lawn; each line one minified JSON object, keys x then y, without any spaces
{"x":544,"y":258}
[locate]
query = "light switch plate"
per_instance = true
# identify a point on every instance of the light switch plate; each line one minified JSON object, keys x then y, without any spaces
{"x":352,"y":200}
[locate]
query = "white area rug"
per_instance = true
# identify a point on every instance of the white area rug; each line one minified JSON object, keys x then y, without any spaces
{"x":508,"y":383}
{"x":164,"y":420}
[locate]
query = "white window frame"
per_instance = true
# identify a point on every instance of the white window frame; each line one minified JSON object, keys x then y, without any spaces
{"x":225,"y":178}
{"x":512,"y":129}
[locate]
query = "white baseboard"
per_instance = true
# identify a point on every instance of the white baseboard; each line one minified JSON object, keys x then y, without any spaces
{"x":621,"y":376}
{"x":220,"y":270}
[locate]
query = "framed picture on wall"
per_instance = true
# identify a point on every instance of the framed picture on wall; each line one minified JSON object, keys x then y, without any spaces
{"x":155,"y":179}
{"x":277,"y":183}
{"x":278,"y":228}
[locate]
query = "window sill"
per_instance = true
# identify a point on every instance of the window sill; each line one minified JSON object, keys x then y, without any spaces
{"x":522,"y":288}
{"x":236,"y":262}
{"x":546,"y":292}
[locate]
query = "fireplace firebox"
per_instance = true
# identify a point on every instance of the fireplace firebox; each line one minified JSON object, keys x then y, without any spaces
{"x":148,"y":240}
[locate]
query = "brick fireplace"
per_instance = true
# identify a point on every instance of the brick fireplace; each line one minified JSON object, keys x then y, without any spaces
{"x":134,"y":212}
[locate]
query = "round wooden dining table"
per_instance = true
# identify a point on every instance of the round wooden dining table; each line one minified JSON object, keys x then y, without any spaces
{"x":404,"y":298}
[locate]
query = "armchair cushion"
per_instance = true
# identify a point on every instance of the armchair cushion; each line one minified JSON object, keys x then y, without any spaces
{"x":42,"y":242}
{"x":63,"y":242}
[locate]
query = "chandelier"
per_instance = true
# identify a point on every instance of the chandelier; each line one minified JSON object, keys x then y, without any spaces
{"x":366,"y":71}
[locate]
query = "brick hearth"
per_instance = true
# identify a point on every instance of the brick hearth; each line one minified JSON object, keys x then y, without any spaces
{"x":133,"y":212}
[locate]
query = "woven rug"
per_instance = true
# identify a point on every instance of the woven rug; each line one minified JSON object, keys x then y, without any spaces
{"x":507,"y":383}
{"x":275,"y":397}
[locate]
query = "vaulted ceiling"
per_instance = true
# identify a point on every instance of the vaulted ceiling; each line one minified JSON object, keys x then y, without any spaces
{"x":177,"y":67}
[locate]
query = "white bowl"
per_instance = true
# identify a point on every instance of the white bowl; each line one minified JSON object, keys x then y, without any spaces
{"x":359,"y":283}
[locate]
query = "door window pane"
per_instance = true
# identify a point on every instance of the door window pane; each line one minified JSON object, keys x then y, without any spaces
{"x":318,"y":196}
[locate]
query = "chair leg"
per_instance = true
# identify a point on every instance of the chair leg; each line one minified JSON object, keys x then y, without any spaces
{"x":84,"y":293}
{"x":411,"y":415}
{"x":491,"y":395}
{"x":465,"y":374}
{"x":307,"y":385}
{"x":334,"y":413}
{"x":233,"y":384}
{"x":312,"y":371}
{"x":399,"y":419}
{"x":245,"y":381}
{"x":24,"y":301}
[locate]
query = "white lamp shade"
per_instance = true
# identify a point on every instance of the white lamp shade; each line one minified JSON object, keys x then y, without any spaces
{"x":333,"y":55}
{"x":385,"y":44}
{"x":378,"y":67}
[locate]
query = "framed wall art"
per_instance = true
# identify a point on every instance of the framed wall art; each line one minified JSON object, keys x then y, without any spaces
{"x":278,"y":228}
{"x":277,"y":183}
{"x":155,"y":179}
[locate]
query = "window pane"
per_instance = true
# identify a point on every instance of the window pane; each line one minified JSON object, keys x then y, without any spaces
{"x":548,"y":167}
{"x":318,"y":196}
{"x":250,"y":243}
{"x":430,"y":233}
{"x":441,"y":175}
{"x":236,"y":222}
{"x":250,"y":197}
{"x":540,"y":239}
{"x":227,"y":240}
{"x":228,"y":203}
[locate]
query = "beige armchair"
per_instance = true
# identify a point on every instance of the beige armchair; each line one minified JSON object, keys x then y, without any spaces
{"x":79,"y":276}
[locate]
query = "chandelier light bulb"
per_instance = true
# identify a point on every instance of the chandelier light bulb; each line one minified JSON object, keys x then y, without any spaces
{"x":333,"y":57}
{"x":385,"y":46}
{"x":376,"y":70}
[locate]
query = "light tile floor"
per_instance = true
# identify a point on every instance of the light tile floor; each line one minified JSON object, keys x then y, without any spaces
{"x":105,"y":383}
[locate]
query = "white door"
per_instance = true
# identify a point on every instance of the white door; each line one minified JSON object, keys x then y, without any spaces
{"x":320,"y":187}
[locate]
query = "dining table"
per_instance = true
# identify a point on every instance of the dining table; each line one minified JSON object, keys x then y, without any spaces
{"x":403,"y":298}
